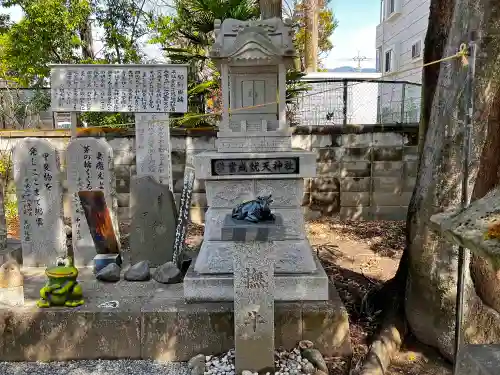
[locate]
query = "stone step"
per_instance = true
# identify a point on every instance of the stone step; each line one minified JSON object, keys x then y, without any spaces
{"x":152,"y":321}
{"x":292,"y":256}
{"x":289,"y":286}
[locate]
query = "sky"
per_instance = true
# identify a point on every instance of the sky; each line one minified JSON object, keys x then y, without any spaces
{"x":355,"y":34}
{"x":357,"y":22}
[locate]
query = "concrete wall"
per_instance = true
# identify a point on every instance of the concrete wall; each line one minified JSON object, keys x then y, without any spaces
{"x":364,"y":172}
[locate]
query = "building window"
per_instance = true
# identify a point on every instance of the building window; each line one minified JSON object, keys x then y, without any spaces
{"x":382,"y":10}
{"x":391,"y":7}
{"x":388,"y":61}
{"x":379,"y":60}
{"x":416,"y":50}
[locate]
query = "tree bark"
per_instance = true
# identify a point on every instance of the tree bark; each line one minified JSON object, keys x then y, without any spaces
{"x":440,"y":16}
{"x":270,"y":9}
{"x":311,"y":35}
{"x":432,"y":261}
{"x":432,"y":275}
{"x":3,"y":224}
{"x":87,"y":40}
{"x":391,"y":296}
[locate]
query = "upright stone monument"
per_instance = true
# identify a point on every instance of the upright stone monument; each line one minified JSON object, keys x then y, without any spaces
{"x":89,"y":167}
{"x":39,"y":197}
{"x":152,"y":145}
{"x":254,"y":157}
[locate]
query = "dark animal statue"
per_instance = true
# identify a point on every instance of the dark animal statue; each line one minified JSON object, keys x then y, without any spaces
{"x":255,"y":210}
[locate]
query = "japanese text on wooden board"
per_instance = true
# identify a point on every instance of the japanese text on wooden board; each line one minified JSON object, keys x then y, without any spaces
{"x":104,"y":88}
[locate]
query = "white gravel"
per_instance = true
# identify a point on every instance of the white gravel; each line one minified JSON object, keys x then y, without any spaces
{"x":97,"y":367}
{"x":286,"y":363}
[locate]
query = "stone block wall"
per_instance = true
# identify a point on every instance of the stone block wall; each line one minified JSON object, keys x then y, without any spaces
{"x":364,"y":172}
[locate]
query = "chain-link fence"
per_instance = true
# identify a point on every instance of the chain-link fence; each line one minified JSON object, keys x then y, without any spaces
{"x":356,"y":101}
{"x":326,"y":102}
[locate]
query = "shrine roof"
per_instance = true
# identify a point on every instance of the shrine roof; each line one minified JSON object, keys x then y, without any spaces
{"x":252,"y":40}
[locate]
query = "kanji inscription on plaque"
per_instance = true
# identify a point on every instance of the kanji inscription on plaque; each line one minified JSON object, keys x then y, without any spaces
{"x":224,"y":167}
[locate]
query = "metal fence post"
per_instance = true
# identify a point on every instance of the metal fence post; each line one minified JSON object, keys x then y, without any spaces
{"x":344,"y":81}
{"x":403,"y":98}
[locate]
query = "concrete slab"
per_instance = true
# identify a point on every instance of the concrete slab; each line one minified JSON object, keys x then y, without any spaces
{"x":289,"y":287}
{"x":152,"y":321}
{"x":479,"y":360}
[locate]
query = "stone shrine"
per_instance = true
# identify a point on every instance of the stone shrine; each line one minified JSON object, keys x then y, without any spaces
{"x":254,"y":157}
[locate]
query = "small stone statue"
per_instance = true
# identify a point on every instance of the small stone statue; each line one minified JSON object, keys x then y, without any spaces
{"x":255,"y":211}
{"x":62,"y":289}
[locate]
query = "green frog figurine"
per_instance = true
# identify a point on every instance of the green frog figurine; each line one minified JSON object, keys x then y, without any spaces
{"x":62,"y":289}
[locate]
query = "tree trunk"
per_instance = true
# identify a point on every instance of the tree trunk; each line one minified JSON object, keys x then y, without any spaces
{"x":311,"y":35}
{"x":87,"y":40}
{"x":432,"y":261}
{"x":391,"y":297}
{"x":440,"y":16}
{"x":432,"y":274}
{"x":270,"y":9}
{"x":3,"y":224}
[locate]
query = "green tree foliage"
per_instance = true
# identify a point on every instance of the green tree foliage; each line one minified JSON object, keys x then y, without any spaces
{"x":294,"y":9}
{"x":48,"y":33}
{"x":124,"y":22}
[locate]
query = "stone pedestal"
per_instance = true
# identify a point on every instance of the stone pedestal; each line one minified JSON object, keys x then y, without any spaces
{"x":298,"y":275}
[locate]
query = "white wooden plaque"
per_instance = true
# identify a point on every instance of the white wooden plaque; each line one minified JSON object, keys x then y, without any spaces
{"x":119,"y":88}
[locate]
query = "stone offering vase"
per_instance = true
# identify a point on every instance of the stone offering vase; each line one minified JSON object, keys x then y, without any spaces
{"x":62,"y":288}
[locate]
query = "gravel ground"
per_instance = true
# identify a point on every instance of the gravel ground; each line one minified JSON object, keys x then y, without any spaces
{"x":121,"y":367}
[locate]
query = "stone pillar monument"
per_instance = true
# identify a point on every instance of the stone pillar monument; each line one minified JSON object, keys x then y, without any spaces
{"x":254,"y":157}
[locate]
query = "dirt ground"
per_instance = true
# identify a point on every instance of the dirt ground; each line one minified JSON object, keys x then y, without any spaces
{"x":358,"y":256}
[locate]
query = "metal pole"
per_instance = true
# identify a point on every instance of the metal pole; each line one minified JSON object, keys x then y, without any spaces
{"x":345,"y":98}
{"x":463,"y":253}
{"x":403,"y":98}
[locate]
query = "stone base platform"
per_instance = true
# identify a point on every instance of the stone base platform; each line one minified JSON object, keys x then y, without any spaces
{"x":289,"y":287}
{"x":479,"y":360}
{"x":152,"y":321}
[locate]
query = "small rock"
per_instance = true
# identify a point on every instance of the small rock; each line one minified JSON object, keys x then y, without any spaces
{"x":68,"y":231}
{"x":319,"y":372}
{"x":10,"y":275}
{"x":138,"y":272}
{"x":198,"y":359}
{"x":246,"y":372}
{"x":168,"y":273}
{"x":308,"y":368}
{"x":305,"y":344}
{"x":110,"y":273}
{"x":315,"y":357}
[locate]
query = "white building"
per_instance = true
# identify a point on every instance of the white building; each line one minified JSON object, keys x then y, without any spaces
{"x":400,"y":45}
{"x":337,"y":98}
